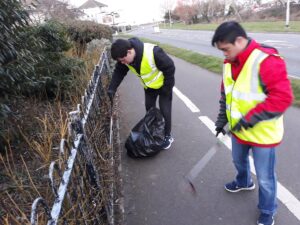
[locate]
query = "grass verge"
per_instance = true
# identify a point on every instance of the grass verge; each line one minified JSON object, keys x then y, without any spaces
{"x":296,"y":90}
{"x":211,"y":63}
{"x":273,"y":26}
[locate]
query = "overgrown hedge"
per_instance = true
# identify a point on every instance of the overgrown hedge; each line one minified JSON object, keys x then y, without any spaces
{"x":41,"y":69}
{"x":33,"y":59}
{"x":82,"y":32}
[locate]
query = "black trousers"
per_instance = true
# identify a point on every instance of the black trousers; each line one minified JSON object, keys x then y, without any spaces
{"x":165,"y":104}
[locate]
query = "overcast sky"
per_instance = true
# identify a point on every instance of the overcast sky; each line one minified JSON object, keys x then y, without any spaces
{"x":140,"y":11}
{"x":137,"y":11}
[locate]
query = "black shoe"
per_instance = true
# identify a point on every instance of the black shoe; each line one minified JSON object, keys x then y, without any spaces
{"x":167,"y":142}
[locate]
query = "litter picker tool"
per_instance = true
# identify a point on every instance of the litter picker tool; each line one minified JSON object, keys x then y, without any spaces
{"x":198,"y":167}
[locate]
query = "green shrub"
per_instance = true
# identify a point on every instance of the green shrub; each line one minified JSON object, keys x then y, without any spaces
{"x":53,"y":74}
{"x":13,"y":19}
{"x":41,"y":68}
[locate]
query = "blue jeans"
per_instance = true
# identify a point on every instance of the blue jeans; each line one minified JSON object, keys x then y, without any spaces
{"x":264,"y":161}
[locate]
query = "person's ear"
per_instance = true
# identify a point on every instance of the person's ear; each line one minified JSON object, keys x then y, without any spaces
{"x":238,"y":40}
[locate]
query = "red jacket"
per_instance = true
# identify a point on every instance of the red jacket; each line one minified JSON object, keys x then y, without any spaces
{"x":275,"y":83}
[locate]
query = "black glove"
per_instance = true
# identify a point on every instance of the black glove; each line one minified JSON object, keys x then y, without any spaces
{"x":111,"y":95}
{"x":220,"y":130}
{"x":241,"y":124}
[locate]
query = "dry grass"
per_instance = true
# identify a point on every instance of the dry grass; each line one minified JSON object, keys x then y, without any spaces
{"x":24,"y":171}
{"x":24,"y":166}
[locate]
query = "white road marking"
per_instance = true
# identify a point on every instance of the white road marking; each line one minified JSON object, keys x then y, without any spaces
{"x":186,"y":100}
{"x":283,"y":194}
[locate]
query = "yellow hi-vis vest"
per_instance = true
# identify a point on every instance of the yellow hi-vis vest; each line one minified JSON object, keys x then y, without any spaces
{"x":243,"y":95}
{"x":149,"y":75}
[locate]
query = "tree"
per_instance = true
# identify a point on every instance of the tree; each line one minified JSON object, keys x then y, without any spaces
{"x":54,"y":9}
{"x":281,"y":3}
{"x":210,"y":9}
{"x":233,"y":8}
{"x":186,"y":11}
{"x":173,"y":16}
{"x":167,"y":6}
{"x":203,"y":10}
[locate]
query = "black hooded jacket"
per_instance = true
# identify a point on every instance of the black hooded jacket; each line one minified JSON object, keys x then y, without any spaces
{"x":162,"y":61}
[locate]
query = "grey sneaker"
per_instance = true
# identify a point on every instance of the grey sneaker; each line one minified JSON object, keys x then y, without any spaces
{"x":167,"y":142}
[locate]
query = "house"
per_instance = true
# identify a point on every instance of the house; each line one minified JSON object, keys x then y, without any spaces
{"x":101,"y":13}
{"x":94,"y":11}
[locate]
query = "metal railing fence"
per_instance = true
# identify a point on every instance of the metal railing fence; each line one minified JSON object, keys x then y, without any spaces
{"x":82,"y":178}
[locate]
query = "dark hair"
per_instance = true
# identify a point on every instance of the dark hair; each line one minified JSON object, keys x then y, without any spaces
{"x":228,"y":32}
{"x":119,"y":48}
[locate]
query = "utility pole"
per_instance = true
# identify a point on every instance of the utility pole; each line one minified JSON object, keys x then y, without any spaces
{"x":170,"y":18}
{"x":287,"y":20}
{"x":169,"y":4}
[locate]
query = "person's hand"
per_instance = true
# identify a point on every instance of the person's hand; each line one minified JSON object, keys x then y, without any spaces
{"x":220,"y":130}
{"x":111,"y":95}
{"x":241,"y":124}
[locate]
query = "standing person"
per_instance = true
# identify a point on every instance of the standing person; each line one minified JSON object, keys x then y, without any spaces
{"x":155,"y":70}
{"x":255,"y":92}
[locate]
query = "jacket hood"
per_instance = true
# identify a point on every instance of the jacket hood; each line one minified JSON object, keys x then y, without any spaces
{"x":139,"y":48}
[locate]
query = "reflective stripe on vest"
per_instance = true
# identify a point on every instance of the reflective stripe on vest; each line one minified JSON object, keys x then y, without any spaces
{"x":149,"y":74}
{"x":243,"y":95}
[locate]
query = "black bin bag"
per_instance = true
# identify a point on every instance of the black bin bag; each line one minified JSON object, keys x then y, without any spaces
{"x":147,"y":135}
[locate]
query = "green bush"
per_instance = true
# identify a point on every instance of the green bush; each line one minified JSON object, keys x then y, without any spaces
{"x":53,"y":74}
{"x":41,"y":68}
{"x":13,"y":19}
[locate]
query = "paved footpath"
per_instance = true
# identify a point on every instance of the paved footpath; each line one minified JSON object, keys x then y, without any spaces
{"x":152,"y":187}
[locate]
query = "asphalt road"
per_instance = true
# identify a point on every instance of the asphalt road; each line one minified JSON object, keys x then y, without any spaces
{"x":152,"y":187}
{"x":288,"y":45}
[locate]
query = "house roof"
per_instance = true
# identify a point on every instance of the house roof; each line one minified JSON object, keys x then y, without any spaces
{"x":92,"y":4}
